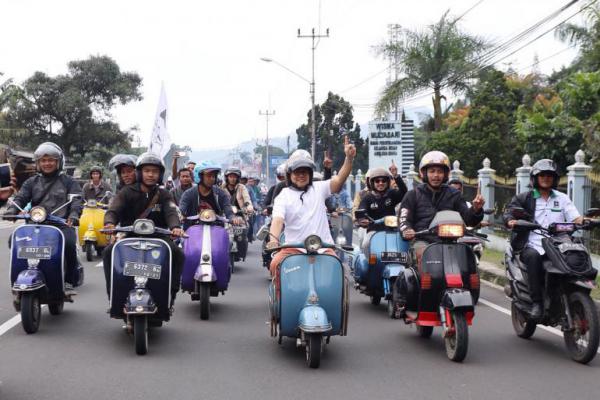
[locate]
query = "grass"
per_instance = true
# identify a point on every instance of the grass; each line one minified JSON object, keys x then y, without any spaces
{"x":493,"y":256}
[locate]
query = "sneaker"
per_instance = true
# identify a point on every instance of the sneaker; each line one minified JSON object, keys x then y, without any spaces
{"x":69,"y":291}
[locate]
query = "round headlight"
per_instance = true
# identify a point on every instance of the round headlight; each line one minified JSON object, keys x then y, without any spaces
{"x":38,"y":214}
{"x":208,"y":216}
{"x":341,"y":240}
{"x":312,"y":243}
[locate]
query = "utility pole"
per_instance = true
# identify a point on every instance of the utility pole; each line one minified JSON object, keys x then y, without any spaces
{"x":313,"y":36}
{"x":267,"y":114}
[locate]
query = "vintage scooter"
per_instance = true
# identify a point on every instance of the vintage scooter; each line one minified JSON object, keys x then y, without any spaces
{"x":569,"y":279}
{"x":238,"y":236}
{"x":140,"y":281}
{"x":90,"y":223}
{"x":381,"y":261}
{"x":37,"y":272}
{"x":207,"y":270}
{"x":443,"y":291}
{"x":308,"y":300}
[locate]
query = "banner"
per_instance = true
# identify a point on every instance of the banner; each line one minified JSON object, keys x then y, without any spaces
{"x":160,"y":142}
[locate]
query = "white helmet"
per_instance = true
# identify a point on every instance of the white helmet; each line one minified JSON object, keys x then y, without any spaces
{"x":281,"y":168}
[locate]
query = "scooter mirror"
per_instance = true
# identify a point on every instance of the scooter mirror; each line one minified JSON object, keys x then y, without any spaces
{"x":593,"y":212}
{"x":73,"y":196}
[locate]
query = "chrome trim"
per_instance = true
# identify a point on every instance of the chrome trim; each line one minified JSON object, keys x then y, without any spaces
{"x":315,"y":329}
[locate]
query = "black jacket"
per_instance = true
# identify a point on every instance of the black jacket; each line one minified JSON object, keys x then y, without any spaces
{"x":518,"y":240}
{"x":382,"y":205}
{"x":50,"y":192}
{"x":130,"y":202}
{"x":421,"y":204}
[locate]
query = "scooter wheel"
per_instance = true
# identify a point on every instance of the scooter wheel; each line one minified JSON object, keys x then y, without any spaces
{"x":376,"y":300}
{"x":140,"y":334}
{"x":314,"y":342}
{"x":424,"y":331}
{"x":390,"y":309}
{"x":31,"y":312}
{"x":89,"y":252}
{"x":56,"y":308}
{"x":457,"y":343}
{"x":204,"y":301}
{"x":523,"y":326}
{"x":582,"y":340}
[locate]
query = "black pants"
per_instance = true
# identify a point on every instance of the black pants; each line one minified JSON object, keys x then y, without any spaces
{"x":251,"y":228}
{"x":535,"y":272}
{"x":176,"y":263}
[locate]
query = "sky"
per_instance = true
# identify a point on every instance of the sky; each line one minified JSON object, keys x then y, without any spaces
{"x":207,"y":54}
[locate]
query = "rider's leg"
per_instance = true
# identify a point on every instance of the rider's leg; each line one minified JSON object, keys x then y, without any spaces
{"x":106,"y":264}
{"x":535,"y":276}
{"x":418,"y":247}
{"x":70,"y":254}
{"x":176,"y":268}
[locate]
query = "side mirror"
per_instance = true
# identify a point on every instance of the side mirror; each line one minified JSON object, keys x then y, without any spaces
{"x":73,"y":196}
{"x":593,"y":213}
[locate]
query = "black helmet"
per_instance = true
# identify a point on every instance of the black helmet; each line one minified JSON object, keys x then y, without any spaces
{"x":455,"y":181}
{"x":52,"y":150}
{"x":96,"y":168}
{"x":150,"y":159}
{"x":233,"y":170}
{"x":543,"y":165}
{"x":121,"y":160}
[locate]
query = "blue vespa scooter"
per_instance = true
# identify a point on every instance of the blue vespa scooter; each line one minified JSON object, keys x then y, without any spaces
{"x":37,"y":265}
{"x":381,"y":260}
{"x":309,"y":302}
{"x":140,"y":281}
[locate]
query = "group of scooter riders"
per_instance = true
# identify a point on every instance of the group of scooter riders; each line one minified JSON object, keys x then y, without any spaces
{"x":298,"y":203}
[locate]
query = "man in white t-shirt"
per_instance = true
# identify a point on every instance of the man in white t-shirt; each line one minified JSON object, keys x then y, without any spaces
{"x":300,"y":207}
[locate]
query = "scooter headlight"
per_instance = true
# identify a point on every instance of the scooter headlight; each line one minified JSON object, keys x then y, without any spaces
{"x":143,"y":227}
{"x":451,"y":231}
{"x":208,"y":216}
{"x":313,"y":243}
{"x":91,"y":203}
{"x":390,"y":221}
{"x":341,"y":240}
{"x":38,"y":214}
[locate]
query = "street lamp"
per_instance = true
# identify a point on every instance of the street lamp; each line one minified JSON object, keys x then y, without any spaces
{"x":313,"y":125}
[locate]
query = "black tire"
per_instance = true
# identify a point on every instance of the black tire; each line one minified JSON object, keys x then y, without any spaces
{"x":140,"y":334}
{"x":56,"y":308}
{"x":390,"y":309}
{"x":424,"y":331}
{"x":523,"y":326}
{"x":457,"y":344}
{"x":313,"y":350}
{"x":204,"y":301}
{"x":582,"y":342}
{"x":89,"y":251}
{"x":376,"y":300}
{"x":31,"y":312}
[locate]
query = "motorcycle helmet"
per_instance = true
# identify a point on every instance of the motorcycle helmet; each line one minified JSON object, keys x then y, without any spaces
{"x":317,"y":176}
{"x":280,"y":171}
{"x":543,"y":165}
{"x":378,"y":172}
{"x":232,"y":170}
{"x":95,"y":168}
{"x":51,"y":150}
{"x":434,"y":158}
{"x":121,"y":160}
{"x":295,"y":163}
{"x":300,"y":153}
{"x":205,"y":166}
{"x":149,"y":159}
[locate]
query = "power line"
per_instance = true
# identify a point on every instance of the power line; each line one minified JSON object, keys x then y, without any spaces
{"x":468,"y":11}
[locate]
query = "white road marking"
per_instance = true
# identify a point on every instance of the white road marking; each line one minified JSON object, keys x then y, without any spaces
{"x":11,"y":323}
{"x":506,"y":311}
{"x":99,"y":265}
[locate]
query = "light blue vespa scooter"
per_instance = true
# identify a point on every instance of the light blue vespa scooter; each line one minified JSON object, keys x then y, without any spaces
{"x":310,"y":302}
{"x":383,"y":257}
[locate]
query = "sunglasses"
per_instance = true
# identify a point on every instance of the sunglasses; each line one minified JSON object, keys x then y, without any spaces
{"x":380,"y":180}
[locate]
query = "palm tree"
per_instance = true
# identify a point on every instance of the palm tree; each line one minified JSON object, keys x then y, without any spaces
{"x":442,"y":56}
{"x":586,"y":37}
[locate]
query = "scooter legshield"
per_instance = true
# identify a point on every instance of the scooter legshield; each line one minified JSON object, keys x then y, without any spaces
{"x":294,"y":281}
{"x":192,"y":248}
{"x":51,"y":267}
{"x":129,"y":250}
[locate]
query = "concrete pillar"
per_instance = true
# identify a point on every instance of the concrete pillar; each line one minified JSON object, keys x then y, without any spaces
{"x":523,"y":183}
{"x":411,"y":183}
{"x":349,"y":185}
{"x":486,"y":187}
{"x":456,"y":172}
{"x":357,"y":180}
{"x":579,"y":188}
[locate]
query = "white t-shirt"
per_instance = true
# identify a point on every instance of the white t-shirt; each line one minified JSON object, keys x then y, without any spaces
{"x":304,"y":217}
{"x":558,"y":208}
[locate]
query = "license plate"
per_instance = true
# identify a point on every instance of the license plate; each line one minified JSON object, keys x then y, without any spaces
{"x":394,"y":256}
{"x":35,"y":253}
{"x":150,"y":271}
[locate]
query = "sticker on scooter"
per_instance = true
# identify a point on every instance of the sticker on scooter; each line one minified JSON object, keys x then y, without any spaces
{"x":292,"y":269}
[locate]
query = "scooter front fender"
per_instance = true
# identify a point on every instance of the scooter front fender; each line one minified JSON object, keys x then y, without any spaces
{"x":29,"y":280}
{"x":313,"y":319}
{"x":205,"y":273}
{"x":140,"y":301}
{"x":455,"y":299}
{"x":90,"y":236}
{"x":392,"y":271}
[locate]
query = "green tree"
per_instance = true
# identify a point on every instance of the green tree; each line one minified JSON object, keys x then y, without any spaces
{"x":441,"y":57}
{"x":334,"y":119}
{"x":586,"y":37}
{"x":72,"y":110}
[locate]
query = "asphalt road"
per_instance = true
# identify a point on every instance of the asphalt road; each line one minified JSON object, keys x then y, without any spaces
{"x":83,"y":354}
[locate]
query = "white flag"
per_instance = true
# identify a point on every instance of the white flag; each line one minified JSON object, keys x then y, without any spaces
{"x":160,"y":142}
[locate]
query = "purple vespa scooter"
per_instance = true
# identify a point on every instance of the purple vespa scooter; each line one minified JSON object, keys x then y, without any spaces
{"x":207,"y":269}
